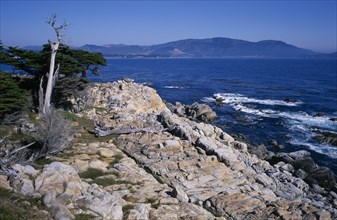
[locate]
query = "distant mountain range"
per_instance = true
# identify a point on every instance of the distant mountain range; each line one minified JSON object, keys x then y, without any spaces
{"x":208,"y":48}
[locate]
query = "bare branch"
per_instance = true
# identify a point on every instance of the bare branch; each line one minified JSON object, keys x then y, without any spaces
{"x":56,"y":74}
{"x":101,"y":132}
{"x":57,"y":29}
{"x":41,"y":94}
{"x":19,"y":149}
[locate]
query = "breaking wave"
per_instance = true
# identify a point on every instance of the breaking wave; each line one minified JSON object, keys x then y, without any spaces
{"x":299,"y":124}
{"x":233,"y":98}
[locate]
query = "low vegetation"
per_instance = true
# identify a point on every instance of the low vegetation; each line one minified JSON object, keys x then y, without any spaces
{"x":91,"y":173}
{"x":83,"y":216}
{"x":98,"y":177}
{"x":14,"y":206}
{"x":116,"y":160}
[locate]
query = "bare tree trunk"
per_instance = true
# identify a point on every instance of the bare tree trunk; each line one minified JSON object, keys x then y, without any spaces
{"x":52,"y":74}
{"x":47,"y":98}
{"x":41,"y":95}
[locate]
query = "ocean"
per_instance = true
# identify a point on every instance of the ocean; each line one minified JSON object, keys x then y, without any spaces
{"x":286,"y":100}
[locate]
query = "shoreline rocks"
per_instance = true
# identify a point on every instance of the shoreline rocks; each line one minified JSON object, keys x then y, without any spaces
{"x":326,"y":137}
{"x":195,"y":111}
{"x":181,"y":168}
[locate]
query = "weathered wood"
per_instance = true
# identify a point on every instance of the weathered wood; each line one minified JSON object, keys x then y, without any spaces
{"x":101,"y":132}
{"x":52,"y":74}
{"x":10,"y":158}
{"x":21,"y":148}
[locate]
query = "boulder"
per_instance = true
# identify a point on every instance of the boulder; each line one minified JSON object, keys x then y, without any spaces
{"x":201,"y":112}
{"x":118,"y":95}
{"x":236,"y":205}
{"x":326,"y":137}
{"x":196,"y":111}
{"x":4,"y":182}
{"x":140,"y":211}
{"x":60,"y":212}
{"x":56,"y":177}
{"x":305,"y":168}
{"x":27,"y":127}
{"x":108,"y":205}
{"x":179,"y":194}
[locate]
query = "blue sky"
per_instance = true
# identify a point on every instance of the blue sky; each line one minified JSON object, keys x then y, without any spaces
{"x":305,"y":23}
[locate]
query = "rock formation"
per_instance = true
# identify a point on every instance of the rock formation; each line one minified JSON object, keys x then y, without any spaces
{"x":187,"y":169}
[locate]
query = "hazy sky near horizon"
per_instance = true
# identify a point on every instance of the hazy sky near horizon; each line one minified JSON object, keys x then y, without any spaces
{"x":310,"y":24}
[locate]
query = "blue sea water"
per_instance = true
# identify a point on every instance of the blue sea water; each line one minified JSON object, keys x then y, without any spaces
{"x":252,"y":93}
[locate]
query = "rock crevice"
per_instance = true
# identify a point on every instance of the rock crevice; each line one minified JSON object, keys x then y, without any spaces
{"x":187,"y":170}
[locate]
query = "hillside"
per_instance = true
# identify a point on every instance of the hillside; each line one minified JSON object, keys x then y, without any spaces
{"x":206,"y":48}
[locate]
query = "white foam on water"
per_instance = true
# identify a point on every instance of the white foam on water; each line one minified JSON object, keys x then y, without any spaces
{"x":171,"y":87}
{"x":309,"y":120}
{"x":268,"y":113}
{"x":304,"y":138}
{"x":300,"y":124}
{"x":233,"y":98}
{"x":176,"y":87}
{"x":237,"y":101}
{"x":208,"y":99}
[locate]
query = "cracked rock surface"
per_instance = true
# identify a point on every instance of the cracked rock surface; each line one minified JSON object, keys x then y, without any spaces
{"x":180,"y":169}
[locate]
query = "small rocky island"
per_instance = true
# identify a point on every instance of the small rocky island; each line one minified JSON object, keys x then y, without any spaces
{"x":146,"y":159}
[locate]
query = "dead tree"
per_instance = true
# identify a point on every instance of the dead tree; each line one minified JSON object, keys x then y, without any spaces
{"x":45,"y":97}
{"x":102,"y":132}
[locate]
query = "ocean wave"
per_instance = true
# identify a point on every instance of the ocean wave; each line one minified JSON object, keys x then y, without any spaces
{"x":176,"y":87}
{"x":293,"y":118}
{"x":234,"y":98}
{"x":300,"y":124}
{"x":171,"y":87}
{"x":302,"y":136}
{"x":268,"y":113}
{"x":309,"y":120}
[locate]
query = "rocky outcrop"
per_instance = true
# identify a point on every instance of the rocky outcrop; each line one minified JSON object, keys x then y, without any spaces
{"x":176,"y":168}
{"x":206,"y":166}
{"x":303,"y":166}
{"x":124,"y":96}
{"x":196,"y":111}
{"x":326,"y":137}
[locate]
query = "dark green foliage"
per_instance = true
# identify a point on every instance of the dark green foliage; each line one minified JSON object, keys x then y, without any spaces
{"x":12,"y":97}
{"x":74,"y":66}
{"x":91,"y":173}
{"x":87,"y":59}
{"x":3,"y":54}
{"x":72,"y":62}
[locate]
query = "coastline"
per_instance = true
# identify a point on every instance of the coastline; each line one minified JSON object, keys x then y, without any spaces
{"x":173,"y":165}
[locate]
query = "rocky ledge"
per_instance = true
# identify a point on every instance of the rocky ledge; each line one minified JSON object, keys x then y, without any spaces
{"x":163,"y":164}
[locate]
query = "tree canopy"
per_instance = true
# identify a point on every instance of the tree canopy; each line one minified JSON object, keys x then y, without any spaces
{"x":36,"y":63}
{"x":12,"y":97}
{"x":74,"y":68}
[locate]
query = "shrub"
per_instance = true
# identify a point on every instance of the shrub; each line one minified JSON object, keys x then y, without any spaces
{"x":54,"y":134}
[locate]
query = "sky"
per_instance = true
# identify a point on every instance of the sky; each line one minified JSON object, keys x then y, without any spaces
{"x":309,"y":24}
